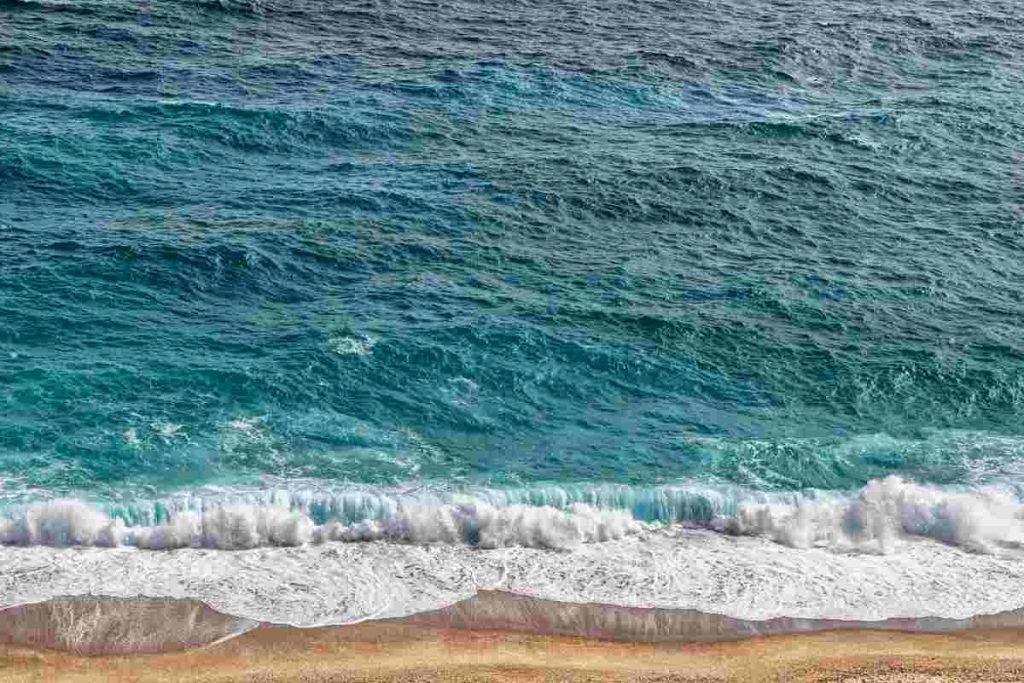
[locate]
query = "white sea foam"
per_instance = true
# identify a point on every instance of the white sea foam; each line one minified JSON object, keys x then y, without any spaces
{"x":352,"y":346}
{"x":62,"y":523}
{"x":226,"y":528}
{"x":886,"y":511}
{"x":236,"y":527}
{"x":131,"y":437}
{"x":167,"y":430}
{"x":877,"y":519}
{"x":247,"y":425}
{"x":426,"y":550}
{"x":745,"y":577}
{"x":491,"y":527}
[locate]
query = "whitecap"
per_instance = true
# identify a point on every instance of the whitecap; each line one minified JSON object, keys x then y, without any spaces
{"x":352,"y":346}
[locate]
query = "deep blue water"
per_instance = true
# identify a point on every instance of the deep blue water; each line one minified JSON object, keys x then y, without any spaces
{"x":510,"y":243}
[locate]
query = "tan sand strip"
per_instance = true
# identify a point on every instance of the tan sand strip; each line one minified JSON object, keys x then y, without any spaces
{"x":420,"y":649}
{"x":497,"y":610}
{"x":109,"y":626}
{"x":401,"y":652}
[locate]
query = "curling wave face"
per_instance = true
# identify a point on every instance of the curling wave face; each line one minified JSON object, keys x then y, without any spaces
{"x":875,"y":519}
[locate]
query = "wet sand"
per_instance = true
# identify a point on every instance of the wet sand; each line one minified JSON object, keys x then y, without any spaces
{"x":443,"y":646}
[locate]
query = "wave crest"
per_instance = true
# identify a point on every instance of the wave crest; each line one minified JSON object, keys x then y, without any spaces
{"x":490,"y":527}
{"x":237,"y":527}
{"x":62,"y":523}
{"x":883,"y":512}
{"x":875,"y":519}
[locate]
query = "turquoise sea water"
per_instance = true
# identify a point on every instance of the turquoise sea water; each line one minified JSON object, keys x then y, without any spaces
{"x":541,"y":251}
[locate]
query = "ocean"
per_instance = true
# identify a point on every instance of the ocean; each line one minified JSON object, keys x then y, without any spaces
{"x":322,"y":309}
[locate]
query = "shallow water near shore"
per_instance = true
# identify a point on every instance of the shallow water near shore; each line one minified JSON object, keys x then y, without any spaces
{"x":482,"y":639}
{"x":96,"y":626}
{"x":338,"y":583}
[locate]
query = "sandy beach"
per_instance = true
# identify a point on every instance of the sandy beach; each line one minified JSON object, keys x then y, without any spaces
{"x":424,"y":648}
{"x":376,"y":652}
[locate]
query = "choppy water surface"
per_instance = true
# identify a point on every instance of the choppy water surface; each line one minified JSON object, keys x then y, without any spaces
{"x":415,"y":270}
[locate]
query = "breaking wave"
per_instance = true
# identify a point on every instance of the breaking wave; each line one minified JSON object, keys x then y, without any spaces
{"x":885,"y":511}
{"x":236,"y":527}
{"x":874,"y":519}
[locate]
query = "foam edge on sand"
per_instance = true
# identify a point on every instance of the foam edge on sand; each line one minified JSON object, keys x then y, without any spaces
{"x":124,"y":626}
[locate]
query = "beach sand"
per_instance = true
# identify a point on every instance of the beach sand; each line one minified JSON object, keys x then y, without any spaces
{"x":418,"y":649}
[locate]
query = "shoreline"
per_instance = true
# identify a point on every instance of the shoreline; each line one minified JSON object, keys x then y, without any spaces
{"x":749,"y":578}
{"x":105,"y":625}
{"x":498,"y":636}
{"x":491,"y":610}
